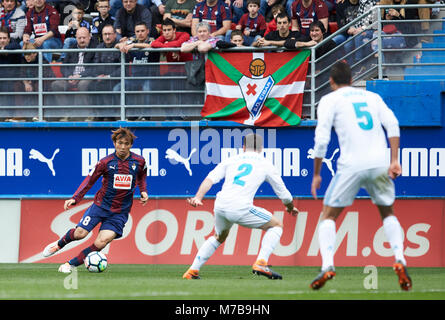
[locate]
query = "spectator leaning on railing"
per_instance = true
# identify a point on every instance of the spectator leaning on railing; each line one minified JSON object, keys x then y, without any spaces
{"x":43,"y":22}
{"x":278,"y":37}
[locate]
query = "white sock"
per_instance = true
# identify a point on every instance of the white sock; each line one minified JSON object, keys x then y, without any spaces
{"x":205,"y":252}
{"x":269,"y":242}
{"x":393,"y":232}
{"x":326,"y":239}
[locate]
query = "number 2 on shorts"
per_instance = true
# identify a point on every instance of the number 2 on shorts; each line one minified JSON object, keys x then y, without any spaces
{"x":244,"y":169}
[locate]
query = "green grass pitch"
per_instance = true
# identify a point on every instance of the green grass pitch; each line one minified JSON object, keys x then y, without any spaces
{"x":164,"y":282}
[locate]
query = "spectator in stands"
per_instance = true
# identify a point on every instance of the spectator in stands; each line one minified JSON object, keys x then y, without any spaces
{"x":304,"y":12}
{"x":29,"y":4}
{"x":316,"y":35}
{"x":252,"y":24}
{"x":104,"y":18}
{"x":237,"y":38}
{"x":43,"y":22}
{"x":346,"y":11}
{"x":105,"y":70}
{"x":171,"y":38}
{"x":14,"y":19}
{"x":140,"y":64}
{"x":364,"y":28}
{"x":267,"y":5}
{"x":272,"y":24}
{"x":7,"y":85}
{"x":77,"y":22}
{"x":201,"y":43}
{"x":76,"y":72}
{"x":278,"y":37}
{"x":30,"y":70}
{"x":128,"y":16}
{"x":216,"y":13}
{"x":181,"y":13}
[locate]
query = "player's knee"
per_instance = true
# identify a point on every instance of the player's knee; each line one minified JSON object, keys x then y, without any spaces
{"x":101,"y":243}
{"x":80,"y":233}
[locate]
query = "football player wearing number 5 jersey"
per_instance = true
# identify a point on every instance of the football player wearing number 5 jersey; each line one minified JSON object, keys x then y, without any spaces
{"x":243,"y":174}
{"x":121,"y":171}
{"x":358,"y":117}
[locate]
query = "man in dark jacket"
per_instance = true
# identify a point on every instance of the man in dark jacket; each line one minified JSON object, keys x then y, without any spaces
{"x":128,"y":16}
{"x":76,"y":72}
{"x":105,"y":70}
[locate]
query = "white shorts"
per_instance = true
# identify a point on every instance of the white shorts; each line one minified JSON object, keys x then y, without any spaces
{"x":345,"y":186}
{"x":253,"y":217}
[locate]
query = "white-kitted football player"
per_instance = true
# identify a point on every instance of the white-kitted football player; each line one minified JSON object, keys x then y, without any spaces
{"x":243,"y":174}
{"x":358,"y":117}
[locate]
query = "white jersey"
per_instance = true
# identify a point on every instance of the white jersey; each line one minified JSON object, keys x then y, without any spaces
{"x":357,"y":116}
{"x":243,"y":174}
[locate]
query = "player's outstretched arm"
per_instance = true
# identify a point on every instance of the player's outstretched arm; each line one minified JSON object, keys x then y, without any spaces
{"x":203,"y":189}
{"x":69,"y":203}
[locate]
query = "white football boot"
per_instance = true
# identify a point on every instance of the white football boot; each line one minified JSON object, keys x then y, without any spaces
{"x":66,"y":268}
{"x":51,"y":249}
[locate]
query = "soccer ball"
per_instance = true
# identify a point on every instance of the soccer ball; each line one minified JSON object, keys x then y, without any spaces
{"x":96,"y":262}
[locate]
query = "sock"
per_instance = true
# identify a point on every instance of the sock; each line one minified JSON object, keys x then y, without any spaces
{"x":67,"y":238}
{"x":205,"y":252}
{"x":269,"y":242}
{"x":393,"y":232}
{"x":326,"y":239}
{"x":77,"y":261}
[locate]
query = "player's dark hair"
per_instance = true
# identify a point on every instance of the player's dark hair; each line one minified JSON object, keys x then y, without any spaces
{"x":169,"y":22}
{"x":253,"y":141}
{"x":123,"y":133}
{"x":341,"y":73}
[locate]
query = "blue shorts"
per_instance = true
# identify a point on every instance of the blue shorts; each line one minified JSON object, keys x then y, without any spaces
{"x":110,"y":220}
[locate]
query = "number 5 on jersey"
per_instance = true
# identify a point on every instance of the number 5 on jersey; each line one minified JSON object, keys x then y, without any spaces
{"x":244,"y":170}
{"x":364,"y":117}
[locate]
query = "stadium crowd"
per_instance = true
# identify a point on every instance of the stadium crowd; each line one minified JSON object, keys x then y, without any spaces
{"x":196,"y":26}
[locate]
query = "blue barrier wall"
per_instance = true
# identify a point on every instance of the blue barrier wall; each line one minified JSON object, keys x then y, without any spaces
{"x":50,"y":160}
{"x":415,"y":103}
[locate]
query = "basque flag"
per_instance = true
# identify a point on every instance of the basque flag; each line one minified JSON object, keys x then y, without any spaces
{"x":256,"y":88}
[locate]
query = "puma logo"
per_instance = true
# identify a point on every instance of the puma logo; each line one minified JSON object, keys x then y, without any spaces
{"x":328,"y":162}
{"x":172,"y":154}
{"x":34,"y":154}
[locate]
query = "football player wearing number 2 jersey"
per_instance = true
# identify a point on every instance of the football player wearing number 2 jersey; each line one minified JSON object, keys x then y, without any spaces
{"x":243,"y":174}
{"x":121,"y":171}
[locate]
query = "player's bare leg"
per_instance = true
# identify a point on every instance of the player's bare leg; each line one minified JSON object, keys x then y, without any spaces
{"x":326,"y":239}
{"x":393,"y":232}
{"x":103,"y":238}
{"x":274,"y":230}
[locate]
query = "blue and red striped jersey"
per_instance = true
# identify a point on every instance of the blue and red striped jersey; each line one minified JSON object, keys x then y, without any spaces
{"x":119,"y":181}
{"x":214,"y":15}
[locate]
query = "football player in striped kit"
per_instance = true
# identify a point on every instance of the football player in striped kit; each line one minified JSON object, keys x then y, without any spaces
{"x":122,"y":172}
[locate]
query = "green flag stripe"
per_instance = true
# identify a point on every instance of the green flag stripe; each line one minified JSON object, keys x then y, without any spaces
{"x":281,"y":111}
{"x":225,"y":66}
{"x":228,"y":110}
{"x":290,"y":66}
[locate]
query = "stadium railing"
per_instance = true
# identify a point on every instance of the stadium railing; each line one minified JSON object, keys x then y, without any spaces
{"x":163,"y":92}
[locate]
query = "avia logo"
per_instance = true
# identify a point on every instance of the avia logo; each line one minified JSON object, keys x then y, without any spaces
{"x":327,"y":161}
{"x":34,"y":154}
{"x":173,"y":155}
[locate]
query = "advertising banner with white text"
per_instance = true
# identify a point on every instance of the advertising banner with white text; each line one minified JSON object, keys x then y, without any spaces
{"x":169,"y":231}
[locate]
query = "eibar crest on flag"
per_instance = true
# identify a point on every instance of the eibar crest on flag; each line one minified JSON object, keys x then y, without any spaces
{"x":256,"y":88}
